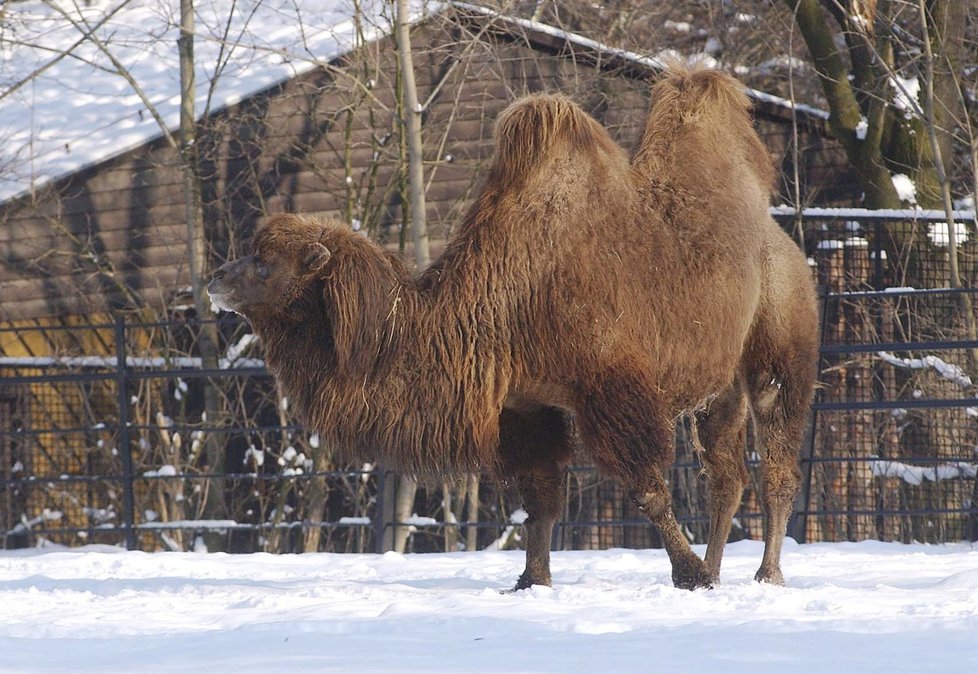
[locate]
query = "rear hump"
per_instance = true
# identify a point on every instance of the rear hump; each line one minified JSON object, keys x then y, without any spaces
{"x":690,"y":99}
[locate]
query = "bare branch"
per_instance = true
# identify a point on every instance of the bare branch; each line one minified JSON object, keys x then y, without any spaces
{"x":62,"y":53}
{"x":84,"y":28}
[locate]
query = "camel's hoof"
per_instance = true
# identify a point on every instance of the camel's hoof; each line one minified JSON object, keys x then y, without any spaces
{"x":526,"y":581}
{"x":692,"y":575}
{"x":769,"y":575}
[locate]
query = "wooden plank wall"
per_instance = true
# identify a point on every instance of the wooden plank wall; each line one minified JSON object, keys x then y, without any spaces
{"x":321,"y":144}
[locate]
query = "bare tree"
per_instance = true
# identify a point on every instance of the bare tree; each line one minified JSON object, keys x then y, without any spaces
{"x":870,"y":58}
{"x":411,"y":124}
{"x":197,"y":247}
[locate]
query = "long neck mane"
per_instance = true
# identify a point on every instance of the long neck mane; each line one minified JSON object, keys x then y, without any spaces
{"x":417,"y":390}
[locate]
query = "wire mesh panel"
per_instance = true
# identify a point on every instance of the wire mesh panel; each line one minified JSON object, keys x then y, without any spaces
{"x":58,"y":445}
{"x":893,"y":444}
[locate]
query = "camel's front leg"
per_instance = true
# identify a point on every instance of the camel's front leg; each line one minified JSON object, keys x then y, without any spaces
{"x":653,"y":498}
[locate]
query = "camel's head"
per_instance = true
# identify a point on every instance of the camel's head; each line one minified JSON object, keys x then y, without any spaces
{"x":288,"y":257}
{"x":324,"y":276}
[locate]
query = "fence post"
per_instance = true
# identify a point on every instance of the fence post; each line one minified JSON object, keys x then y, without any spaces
{"x":878,"y":255}
{"x":801,"y":527}
{"x":125,"y":444}
{"x":379,"y":521}
{"x":798,"y":524}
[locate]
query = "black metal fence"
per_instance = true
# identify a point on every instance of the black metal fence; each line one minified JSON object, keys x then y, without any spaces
{"x":111,"y":449}
{"x":104,"y":435}
{"x":892,"y":452}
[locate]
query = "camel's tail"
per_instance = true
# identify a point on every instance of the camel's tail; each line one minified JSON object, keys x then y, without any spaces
{"x":698,"y":111}
{"x":542,"y":128}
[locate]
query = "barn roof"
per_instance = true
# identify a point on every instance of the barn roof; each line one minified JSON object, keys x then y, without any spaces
{"x":81,"y":102}
{"x":80,"y":111}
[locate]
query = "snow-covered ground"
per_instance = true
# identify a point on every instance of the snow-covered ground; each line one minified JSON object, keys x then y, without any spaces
{"x":864,"y":607}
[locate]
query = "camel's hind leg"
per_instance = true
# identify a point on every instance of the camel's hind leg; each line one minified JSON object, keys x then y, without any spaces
{"x":722,"y":431}
{"x":779,"y":401}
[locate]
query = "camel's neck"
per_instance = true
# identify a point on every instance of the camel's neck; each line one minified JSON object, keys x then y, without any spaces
{"x":299,"y":357}
{"x":428,"y":390}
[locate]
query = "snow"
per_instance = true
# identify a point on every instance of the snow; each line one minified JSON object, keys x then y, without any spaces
{"x":132,"y":362}
{"x":647,"y":61}
{"x":518,"y":516}
{"x":782,"y":62}
{"x":906,"y":92}
{"x":869,"y":607}
{"x":874,"y":214}
{"x":253,"y":454}
{"x":235,"y":351}
{"x":906,"y":190}
{"x":939,"y":234}
{"x":163,"y":471}
{"x":785,"y":103}
{"x":677,"y":26}
{"x":949,"y":371}
{"x":916,"y":475}
{"x":79,"y":110}
{"x":713,"y":46}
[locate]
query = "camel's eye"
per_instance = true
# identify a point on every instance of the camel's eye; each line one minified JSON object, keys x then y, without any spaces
{"x":262,"y":269}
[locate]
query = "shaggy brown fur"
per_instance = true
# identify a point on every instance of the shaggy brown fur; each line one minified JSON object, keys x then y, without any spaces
{"x":586,"y":299}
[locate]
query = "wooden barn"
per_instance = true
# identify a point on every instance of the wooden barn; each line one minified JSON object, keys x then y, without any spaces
{"x":113,"y":236}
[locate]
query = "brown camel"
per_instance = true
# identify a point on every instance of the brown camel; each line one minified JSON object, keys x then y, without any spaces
{"x":586,"y":300}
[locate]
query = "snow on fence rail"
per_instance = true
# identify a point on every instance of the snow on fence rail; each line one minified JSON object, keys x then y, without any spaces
{"x":872,"y":214}
{"x":134,"y":362}
{"x":917,"y":475}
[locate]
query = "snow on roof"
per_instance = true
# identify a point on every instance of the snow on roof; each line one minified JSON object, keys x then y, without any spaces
{"x":79,"y":110}
{"x":65,"y":106}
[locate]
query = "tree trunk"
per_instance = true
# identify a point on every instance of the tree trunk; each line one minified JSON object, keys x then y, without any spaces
{"x":411,"y":109}
{"x":315,"y":500}
{"x":214,"y":507}
{"x":845,"y":117}
{"x":449,"y":518}
{"x":472,"y":513}
{"x":398,"y":508}
{"x":946,"y":24}
{"x":944,"y":184}
{"x":974,"y":176}
{"x":412,"y":127}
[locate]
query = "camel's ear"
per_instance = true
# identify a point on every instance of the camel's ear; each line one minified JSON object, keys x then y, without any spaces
{"x":316,"y":257}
